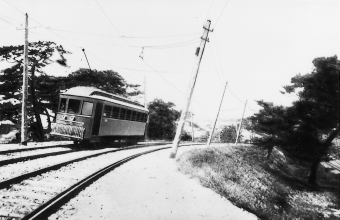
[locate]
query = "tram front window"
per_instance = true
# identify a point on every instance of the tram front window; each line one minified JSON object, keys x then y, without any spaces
{"x":87,"y":108}
{"x":73,"y":106}
{"x":62,"y":107}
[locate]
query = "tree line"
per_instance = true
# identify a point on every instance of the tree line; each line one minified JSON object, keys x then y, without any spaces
{"x":44,"y":89}
{"x":304,"y":131}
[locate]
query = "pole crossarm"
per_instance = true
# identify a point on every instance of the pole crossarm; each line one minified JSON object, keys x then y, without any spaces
{"x":205,"y":39}
{"x":212,"y":30}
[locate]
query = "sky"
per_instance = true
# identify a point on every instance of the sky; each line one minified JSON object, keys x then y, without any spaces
{"x":255,"y":46}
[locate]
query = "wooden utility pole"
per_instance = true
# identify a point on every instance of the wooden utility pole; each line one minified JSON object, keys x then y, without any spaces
{"x":181,"y":123}
{"x":145,"y":92}
{"x":239,"y":127}
{"x":192,"y":126}
{"x":24,"y":89}
{"x":146,"y":137}
{"x":218,"y":112}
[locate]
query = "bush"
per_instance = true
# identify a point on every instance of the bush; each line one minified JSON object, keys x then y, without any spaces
{"x":243,"y":176}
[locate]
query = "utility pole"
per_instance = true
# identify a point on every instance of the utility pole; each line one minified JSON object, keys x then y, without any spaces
{"x":218,"y":112}
{"x":146,"y":137}
{"x":144,"y":91}
{"x":192,"y":126}
{"x":239,"y":127}
{"x":24,"y":89}
{"x":180,"y":125}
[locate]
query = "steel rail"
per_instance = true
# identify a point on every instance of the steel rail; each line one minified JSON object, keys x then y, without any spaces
{"x":51,"y":206}
{"x":32,"y":157}
{"x":17,"y":179}
{"x":33,"y":148}
{"x":46,"y":209}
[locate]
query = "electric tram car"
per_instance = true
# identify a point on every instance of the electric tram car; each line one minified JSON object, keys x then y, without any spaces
{"x":87,"y":114}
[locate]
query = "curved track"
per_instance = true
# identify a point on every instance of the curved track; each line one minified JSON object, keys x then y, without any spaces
{"x":38,"y":194}
{"x":32,"y":157}
{"x":33,"y":148}
{"x":17,"y":179}
{"x":48,"y":208}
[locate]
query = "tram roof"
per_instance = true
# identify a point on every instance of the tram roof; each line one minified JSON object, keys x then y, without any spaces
{"x":91,"y":92}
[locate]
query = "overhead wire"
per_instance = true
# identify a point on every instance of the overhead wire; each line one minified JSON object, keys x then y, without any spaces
{"x":130,"y":37}
{"x":228,"y":87}
{"x":174,"y":44}
{"x":175,"y":86}
{"x":218,"y":56}
{"x":212,"y":2}
{"x":111,"y":22}
{"x":8,"y":22}
{"x":218,"y":73}
{"x":221,"y":13}
{"x":130,"y":69}
{"x":75,"y":45}
{"x":30,"y":18}
{"x":225,"y":110}
{"x":162,"y":77}
{"x":179,"y":44}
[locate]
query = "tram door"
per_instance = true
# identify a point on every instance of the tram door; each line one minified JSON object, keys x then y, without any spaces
{"x":96,"y":119}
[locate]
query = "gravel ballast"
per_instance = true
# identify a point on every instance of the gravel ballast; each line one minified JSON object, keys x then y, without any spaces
{"x":5,"y":147}
{"x":32,"y":152}
{"x":22,"y":198}
{"x":13,"y":170}
{"x":149,"y":187}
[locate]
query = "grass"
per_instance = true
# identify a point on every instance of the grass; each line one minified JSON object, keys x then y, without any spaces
{"x":271,"y":189}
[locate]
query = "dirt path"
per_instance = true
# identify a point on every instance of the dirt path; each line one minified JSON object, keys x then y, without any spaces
{"x":150,"y":187}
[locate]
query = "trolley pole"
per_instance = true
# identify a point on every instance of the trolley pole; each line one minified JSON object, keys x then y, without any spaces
{"x":24,"y":89}
{"x":189,"y":95}
{"x":86,"y":58}
{"x":239,"y":127}
{"x":218,"y":112}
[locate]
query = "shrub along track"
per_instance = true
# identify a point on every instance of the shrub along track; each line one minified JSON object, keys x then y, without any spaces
{"x":28,"y":196}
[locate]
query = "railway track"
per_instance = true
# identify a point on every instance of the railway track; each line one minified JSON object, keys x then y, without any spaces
{"x":4,"y":162}
{"x":33,"y":148}
{"x":37,"y":194}
{"x":32,"y":157}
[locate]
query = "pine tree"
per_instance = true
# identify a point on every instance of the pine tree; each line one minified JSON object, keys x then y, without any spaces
{"x":39,"y":55}
{"x":306,"y":129}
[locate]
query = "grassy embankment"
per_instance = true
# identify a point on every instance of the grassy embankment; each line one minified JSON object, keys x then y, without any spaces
{"x":271,"y":189}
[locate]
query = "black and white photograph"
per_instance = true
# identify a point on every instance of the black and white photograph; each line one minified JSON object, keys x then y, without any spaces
{"x":169,"y":109}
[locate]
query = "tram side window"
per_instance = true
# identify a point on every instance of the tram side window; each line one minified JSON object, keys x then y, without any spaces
{"x":133,"y":116}
{"x":128,"y":114}
{"x":144,"y":118}
{"x":73,"y":106}
{"x":87,"y":108}
{"x":107,"y":111}
{"x":62,"y":107}
{"x":122,"y":113}
{"x":137,"y":116}
{"x":115,"y":112}
{"x":141,"y":117}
